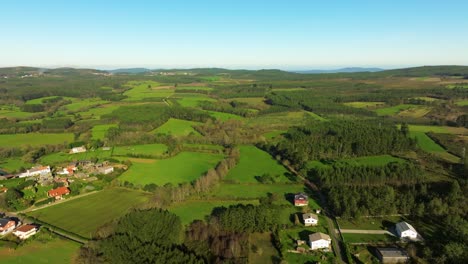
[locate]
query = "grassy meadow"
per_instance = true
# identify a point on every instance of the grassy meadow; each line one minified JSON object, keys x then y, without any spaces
{"x":84,"y":215}
{"x":184,"y":167}
{"x":35,"y":139}
{"x":177,"y":127}
{"x":146,"y":149}
{"x":99,"y":131}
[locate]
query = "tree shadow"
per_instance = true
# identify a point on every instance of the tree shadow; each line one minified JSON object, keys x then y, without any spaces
{"x":304,"y":234}
{"x":289,"y":197}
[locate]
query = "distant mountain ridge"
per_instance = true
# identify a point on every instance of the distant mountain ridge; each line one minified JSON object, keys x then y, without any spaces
{"x":341,"y":70}
{"x":130,"y":70}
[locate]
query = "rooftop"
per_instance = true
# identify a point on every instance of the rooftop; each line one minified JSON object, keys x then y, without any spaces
{"x":26,"y":228}
{"x":392,"y":252}
{"x":310,"y":215}
{"x":404,"y":226}
{"x":319,"y":236}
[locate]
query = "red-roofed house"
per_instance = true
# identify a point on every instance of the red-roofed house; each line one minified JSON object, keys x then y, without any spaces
{"x":301,"y":199}
{"x":58,"y":193}
{"x":25,"y":231}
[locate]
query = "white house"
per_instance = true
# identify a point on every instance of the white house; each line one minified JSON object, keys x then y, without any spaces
{"x":6,"y":225}
{"x":70,"y":170}
{"x":319,"y":241}
{"x":106,"y":170}
{"x":35,"y":171}
{"x":405,"y":230}
{"x":78,"y":150}
{"x":25,"y":231}
{"x":310,"y":219}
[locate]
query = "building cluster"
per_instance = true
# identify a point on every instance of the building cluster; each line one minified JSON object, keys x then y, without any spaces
{"x":13,"y":225}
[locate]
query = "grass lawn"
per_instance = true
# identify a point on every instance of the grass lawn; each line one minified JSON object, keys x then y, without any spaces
{"x":426,"y":143}
{"x":369,"y":223}
{"x":185,"y":167}
{"x":224,"y":116}
{"x":54,"y":250}
{"x":261,"y":248}
{"x":393,"y":110}
{"x":84,"y":215}
{"x":147,"y":149}
{"x":177,"y":127}
{"x":99,"y":131}
{"x":193,"y":210}
{"x":368,"y":238}
{"x":255,"y":162}
{"x":255,"y":191}
{"x":61,"y":157}
{"x":34,"y":139}
{"x":365,"y":104}
{"x":13,"y":164}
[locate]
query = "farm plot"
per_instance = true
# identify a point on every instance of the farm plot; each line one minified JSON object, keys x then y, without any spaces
{"x":224,"y":116}
{"x":254,"y":191}
{"x":365,"y":104}
{"x":254,"y":163}
{"x":177,"y":127}
{"x":189,"y":211}
{"x":393,"y":110}
{"x":99,"y":131}
{"x":83,"y":103}
{"x":61,"y":157}
{"x":97,"y":112}
{"x":84,"y":215}
{"x":144,"y":150}
{"x":192,"y":100}
{"x":145,"y":91}
{"x":54,"y":250}
{"x":185,"y":167}
{"x":13,"y":164}
{"x":34,"y":139}
{"x":10,"y":111}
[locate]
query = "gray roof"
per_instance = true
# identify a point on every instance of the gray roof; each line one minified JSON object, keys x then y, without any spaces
{"x":403,"y":226}
{"x":309,"y":215}
{"x":392,"y":253}
{"x":301,"y":196}
{"x":4,"y":221}
{"x":318,"y":236}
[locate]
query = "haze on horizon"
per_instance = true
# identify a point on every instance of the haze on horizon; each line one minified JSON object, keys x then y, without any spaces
{"x":234,"y":34}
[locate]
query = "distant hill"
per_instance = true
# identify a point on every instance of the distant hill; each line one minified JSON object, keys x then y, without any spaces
{"x":423,"y":71}
{"x":342,"y":70}
{"x":130,"y":70}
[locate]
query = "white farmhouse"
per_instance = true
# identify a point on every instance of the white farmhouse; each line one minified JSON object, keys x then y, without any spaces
{"x":310,"y":219}
{"x":405,"y":230}
{"x":319,"y":241}
{"x":78,"y":150}
{"x":106,"y":170}
{"x":35,"y":171}
{"x":25,"y":231}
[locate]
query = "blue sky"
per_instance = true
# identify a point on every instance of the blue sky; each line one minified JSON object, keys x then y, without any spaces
{"x":233,"y":34}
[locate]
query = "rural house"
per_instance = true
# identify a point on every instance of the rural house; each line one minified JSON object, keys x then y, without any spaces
{"x":78,"y":150}
{"x":58,"y":193}
{"x":35,"y":171}
{"x":319,"y":241}
{"x":6,"y":225}
{"x":405,"y":230}
{"x":69,"y":170}
{"x":301,"y":199}
{"x":392,"y":255}
{"x":310,"y":219}
{"x":105,"y":170}
{"x":25,"y":231}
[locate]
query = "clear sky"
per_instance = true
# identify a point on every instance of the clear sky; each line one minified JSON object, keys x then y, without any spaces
{"x":233,"y":33}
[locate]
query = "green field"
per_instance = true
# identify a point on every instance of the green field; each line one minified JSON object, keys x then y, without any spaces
{"x":140,"y":91}
{"x":365,"y":104}
{"x":13,"y":164}
{"x":415,"y":112}
{"x":34,"y":139}
{"x":84,"y":215}
{"x":11,"y":111}
{"x":462,"y":103}
{"x":315,"y":116}
{"x":53,"y":251}
{"x":61,"y":157}
{"x":97,"y":112}
{"x":192,"y":100}
{"x":368,"y":238}
{"x":185,"y":167}
{"x":274,"y":134}
{"x":425,"y":142}
{"x":197,"y":210}
{"x":99,"y":131}
{"x":84,"y":103}
{"x":283,"y":119}
{"x":177,"y":127}
{"x":201,"y":88}
{"x":255,"y":191}
{"x":224,"y":116}
{"x":147,"y":149}
{"x":255,"y":162}
{"x":393,"y":110}
{"x":265,"y":251}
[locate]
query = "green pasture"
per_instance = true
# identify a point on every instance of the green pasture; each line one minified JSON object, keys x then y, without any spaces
{"x":265,"y":251}
{"x":283,"y":119}
{"x":189,"y":211}
{"x":192,"y":100}
{"x":54,"y":250}
{"x":369,"y":223}
{"x":177,"y":127}
{"x":99,"y":131}
{"x":368,"y":238}
{"x":365,"y":104}
{"x":61,"y":157}
{"x":425,"y":142}
{"x":35,"y":139}
{"x":255,"y":162}
{"x":147,"y":149}
{"x":147,"y":91}
{"x":97,"y":112}
{"x":415,"y":112}
{"x":84,"y":103}
{"x":255,"y":191}
{"x":274,"y":134}
{"x":393,"y":110}
{"x":13,"y":164}
{"x":201,"y":88}
{"x":184,"y":167}
{"x":462,"y":103}
{"x":12,"y":111}
{"x":224,"y":116}
{"x":84,"y":215}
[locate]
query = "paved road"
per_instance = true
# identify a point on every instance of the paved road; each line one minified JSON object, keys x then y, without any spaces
{"x":359,"y":231}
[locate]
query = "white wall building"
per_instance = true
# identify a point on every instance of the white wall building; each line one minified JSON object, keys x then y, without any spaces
{"x":78,"y":150}
{"x":25,"y":231}
{"x":405,"y":230}
{"x":319,"y":241}
{"x":310,"y":219}
{"x":35,"y":171}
